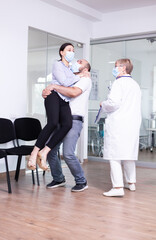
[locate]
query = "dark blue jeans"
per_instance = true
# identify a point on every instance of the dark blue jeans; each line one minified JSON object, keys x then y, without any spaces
{"x":69,"y":145}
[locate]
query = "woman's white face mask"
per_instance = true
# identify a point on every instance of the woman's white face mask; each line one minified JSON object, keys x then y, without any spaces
{"x":69,"y":56}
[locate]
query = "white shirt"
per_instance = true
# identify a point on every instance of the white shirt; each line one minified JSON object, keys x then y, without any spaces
{"x":79,"y":104}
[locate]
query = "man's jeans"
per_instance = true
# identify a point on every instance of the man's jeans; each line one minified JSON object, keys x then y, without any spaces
{"x":69,"y":145}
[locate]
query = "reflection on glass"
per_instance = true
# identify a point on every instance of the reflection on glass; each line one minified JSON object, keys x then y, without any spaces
{"x":43,"y":50}
{"x":142,"y":53}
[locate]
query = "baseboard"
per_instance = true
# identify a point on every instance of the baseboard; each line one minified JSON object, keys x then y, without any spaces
{"x":85,"y":160}
{"x":12,"y":174}
{"x":138,"y":163}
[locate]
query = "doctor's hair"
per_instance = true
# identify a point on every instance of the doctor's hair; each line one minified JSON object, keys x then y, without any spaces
{"x":126,"y":62}
{"x":63,"y":46}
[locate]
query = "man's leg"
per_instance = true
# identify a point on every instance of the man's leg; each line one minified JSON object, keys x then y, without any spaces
{"x":69,"y":145}
{"x":56,"y":169}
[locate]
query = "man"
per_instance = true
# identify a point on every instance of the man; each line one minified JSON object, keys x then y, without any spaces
{"x":79,"y":94}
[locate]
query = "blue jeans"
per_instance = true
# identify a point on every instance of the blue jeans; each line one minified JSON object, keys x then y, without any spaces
{"x":69,"y":145}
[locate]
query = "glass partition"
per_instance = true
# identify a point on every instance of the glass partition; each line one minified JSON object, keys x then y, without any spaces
{"x":43,"y":50}
{"x":142,"y":52}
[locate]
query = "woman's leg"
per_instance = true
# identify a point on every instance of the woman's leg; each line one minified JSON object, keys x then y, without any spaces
{"x":52,"y":106}
{"x":129,"y":169}
{"x":65,"y":122}
{"x":116,"y":174}
{"x":117,"y":179}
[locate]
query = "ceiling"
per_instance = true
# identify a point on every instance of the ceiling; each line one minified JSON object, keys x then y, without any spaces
{"x":106,"y":6}
{"x":93,"y":10}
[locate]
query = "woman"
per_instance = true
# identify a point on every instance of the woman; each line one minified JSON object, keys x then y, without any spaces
{"x":57,"y":109}
{"x":121,"y":138}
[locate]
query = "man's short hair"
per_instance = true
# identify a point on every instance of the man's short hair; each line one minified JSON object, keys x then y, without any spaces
{"x":88,"y":66}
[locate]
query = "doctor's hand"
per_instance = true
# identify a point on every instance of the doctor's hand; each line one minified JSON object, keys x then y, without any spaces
{"x":46,"y":92}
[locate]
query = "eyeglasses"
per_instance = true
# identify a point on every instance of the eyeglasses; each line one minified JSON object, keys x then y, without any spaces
{"x":121,"y":65}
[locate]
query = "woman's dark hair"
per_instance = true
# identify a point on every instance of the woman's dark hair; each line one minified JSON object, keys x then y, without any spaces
{"x":63,"y":47}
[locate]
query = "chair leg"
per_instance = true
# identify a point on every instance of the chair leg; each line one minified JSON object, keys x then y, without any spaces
{"x":33,"y":179}
{"x":18,"y":168}
{"x":8,"y":176}
{"x":37,"y":176}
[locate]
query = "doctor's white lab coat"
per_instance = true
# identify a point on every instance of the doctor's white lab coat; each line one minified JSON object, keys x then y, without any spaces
{"x":122,"y":125}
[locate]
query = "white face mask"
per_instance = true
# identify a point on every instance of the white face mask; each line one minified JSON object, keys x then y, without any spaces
{"x":69,"y":56}
{"x":115,"y":72}
{"x":75,"y":67}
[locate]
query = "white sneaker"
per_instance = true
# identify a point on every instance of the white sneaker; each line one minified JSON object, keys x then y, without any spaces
{"x":114,"y":192}
{"x":131,"y":187}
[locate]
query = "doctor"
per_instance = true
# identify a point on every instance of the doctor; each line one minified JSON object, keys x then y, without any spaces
{"x":121,"y":139}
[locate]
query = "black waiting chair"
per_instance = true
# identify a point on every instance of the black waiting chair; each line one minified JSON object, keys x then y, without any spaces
{"x":26,"y":129}
{"x":4,"y":155}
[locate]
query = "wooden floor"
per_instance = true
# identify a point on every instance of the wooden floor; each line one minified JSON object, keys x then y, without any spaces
{"x":37,"y":213}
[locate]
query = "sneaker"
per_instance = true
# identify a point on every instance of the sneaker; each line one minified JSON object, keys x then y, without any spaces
{"x":79,"y":187}
{"x":55,"y":184}
{"x":114,"y":192}
{"x":131,"y":187}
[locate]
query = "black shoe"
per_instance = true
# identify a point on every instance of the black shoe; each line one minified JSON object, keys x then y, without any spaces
{"x":55,"y":184}
{"x":79,"y":187}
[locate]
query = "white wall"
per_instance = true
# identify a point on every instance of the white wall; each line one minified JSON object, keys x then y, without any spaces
{"x":139,"y":20}
{"x":15,"y":18}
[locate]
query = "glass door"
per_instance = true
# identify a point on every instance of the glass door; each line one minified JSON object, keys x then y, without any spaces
{"x":142,"y":52}
{"x":43,"y":50}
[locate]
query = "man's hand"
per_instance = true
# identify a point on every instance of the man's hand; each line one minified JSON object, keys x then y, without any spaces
{"x":50,"y":87}
{"x":46,"y":92}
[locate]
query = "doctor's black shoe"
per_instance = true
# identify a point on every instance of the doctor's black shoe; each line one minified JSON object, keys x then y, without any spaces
{"x":55,"y":184}
{"x":79,"y":187}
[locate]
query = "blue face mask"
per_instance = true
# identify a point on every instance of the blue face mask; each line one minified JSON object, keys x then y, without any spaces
{"x":69,"y":56}
{"x":115,"y":72}
{"x":75,"y":67}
